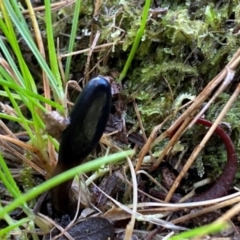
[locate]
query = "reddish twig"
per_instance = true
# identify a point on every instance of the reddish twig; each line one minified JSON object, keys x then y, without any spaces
{"x":224,"y":182}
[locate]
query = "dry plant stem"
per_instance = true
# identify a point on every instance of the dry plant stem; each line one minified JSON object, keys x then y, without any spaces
{"x":226,"y":178}
{"x":159,"y":205}
{"x":147,"y":145}
{"x":46,"y":85}
{"x":128,"y":189}
{"x":229,"y":214}
{"x":206,"y":92}
{"x":7,"y":67}
{"x":225,"y":218}
{"x":54,"y":6}
{"x":96,"y":65}
{"x":88,"y":49}
{"x":42,"y":51}
{"x":235,"y":60}
{"x":18,"y":143}
{"x":206,"y":210}
{"x":66,"y":234}
{"x":86,"y":71}
{"x":97,"y":6}
{"x":7,"y":130}
{"x":154,"y":208}
{"x":139,"y":120}
{"x":169,"y":87}
{"x":163,"y":210}
{"x":66,"y":102}
{"x":223,"y":86}
{"x":171,"y":143}
{"x":64,"y":81}
{"x":153,"y":180}
{"x":105,"y":58}
{"x":197,"y":102}
{"x":168,"y":236}
{"x":166,"y":134}
{"x":13,"y":151}
{"x":130,"y":226}
{"x":196,"y":214}
{"x":92,"y":39}
{"x":142,"y":192}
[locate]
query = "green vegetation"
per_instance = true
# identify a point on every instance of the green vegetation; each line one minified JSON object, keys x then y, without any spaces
{"x":168,"y":54}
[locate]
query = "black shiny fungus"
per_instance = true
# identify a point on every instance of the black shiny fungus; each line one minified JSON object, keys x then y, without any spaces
{"x":88,"y":120}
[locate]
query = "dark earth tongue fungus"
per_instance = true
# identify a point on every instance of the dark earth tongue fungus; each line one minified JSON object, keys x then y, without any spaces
{"x":88,"y":120}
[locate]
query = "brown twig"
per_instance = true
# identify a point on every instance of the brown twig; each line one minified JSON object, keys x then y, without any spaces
{"x":86,"y":71}
{"x":147,"y":145}
{"x":171,"y":143}
{"x":226,"y":179}
{"x":206,"y":210}
{"x":54,"y":6}
{"x":99,"y":47}
{"x":234,"y":62}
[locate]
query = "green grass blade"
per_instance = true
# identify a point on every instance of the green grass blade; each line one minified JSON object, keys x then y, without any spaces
{"x":13,"y":226}
{"x":51,"y":46}
{"x":86,"y":167}
{"x":19,"y":113}
{"x":10,"y":34}
{"x":11,"y":61}
{"x":137,"y":40}
{"x":14,"y":118}
{"x":27,"y":93}
{"x":20,"y":24}
{"x":8,"y":180}
{"x":73,"y":36}
{"x":201,"y":231}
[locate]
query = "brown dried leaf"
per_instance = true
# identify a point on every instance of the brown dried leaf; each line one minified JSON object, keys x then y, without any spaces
{"x":96,"y":228}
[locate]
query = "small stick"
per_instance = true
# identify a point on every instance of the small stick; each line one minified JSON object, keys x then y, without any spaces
{"x":130,"y":226}
{"x":54,"y":6}
{"x":226,"y":82}
{"x":171,"y":142}
{"x":139,"y":120}
{"x":86,"y":71}
{"x":228,"y":174}
{"x":105,"y":45}
{"x":147,"y":145}
{"x":206,"y":210}
{"x":206,"y":92}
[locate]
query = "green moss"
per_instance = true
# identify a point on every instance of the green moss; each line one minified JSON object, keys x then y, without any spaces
{"x":181,"y":50}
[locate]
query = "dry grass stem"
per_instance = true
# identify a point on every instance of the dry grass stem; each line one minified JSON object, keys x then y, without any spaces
{"x":99,"y":47}
{"x":153,"y":180}
{"x":93,"y":45}
{"x":223,"y":86}
{"x":172,"y":142}
{"x":139,"y":120}
{"x":130,"y":226}
{"x":207,"y":210}
{"x":198,"y":101}
{"x":147,"y":145}
{"x":10,"y":71}
{"x":54,"y":6}
{"x":198,"y":149}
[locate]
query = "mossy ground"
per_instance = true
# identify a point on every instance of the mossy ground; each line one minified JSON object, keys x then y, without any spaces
{"x":184,"y":46}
